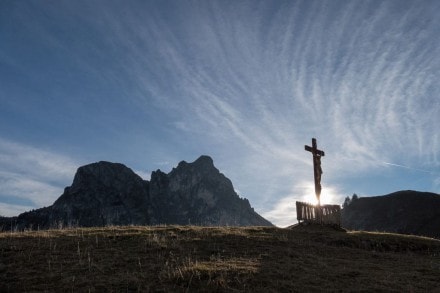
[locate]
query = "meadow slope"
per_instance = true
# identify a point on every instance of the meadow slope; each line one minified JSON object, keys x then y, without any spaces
{"x":189,"y":258}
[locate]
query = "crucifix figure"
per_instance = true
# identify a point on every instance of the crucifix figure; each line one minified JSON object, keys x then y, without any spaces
{"x":317,"y":171}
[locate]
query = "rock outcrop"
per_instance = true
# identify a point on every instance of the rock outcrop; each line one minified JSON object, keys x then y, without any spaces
{"x":107,"y":193}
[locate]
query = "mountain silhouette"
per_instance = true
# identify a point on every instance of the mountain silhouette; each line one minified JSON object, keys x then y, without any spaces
{"x":107,"y":193}
{"x":406,"y":212}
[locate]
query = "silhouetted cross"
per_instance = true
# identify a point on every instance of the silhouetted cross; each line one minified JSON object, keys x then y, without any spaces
{"x":317,"y":171}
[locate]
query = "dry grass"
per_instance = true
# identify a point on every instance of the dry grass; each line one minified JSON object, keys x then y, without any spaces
{"x":181,"y":258}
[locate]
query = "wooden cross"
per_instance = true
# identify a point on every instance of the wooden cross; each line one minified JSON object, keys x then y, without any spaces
{"x":317,"y":171}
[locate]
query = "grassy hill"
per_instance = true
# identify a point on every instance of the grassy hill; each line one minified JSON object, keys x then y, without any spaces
{"x":405,"y":212}
{"x":188,"y":258}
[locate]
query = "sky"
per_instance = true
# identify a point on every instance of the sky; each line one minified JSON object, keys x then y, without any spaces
{"x":249,"y":83}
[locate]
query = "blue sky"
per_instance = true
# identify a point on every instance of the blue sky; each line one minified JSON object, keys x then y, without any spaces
{"x":151,"y":83}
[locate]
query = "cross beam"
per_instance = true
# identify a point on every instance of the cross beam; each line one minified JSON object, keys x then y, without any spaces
{"x":317,"y":171}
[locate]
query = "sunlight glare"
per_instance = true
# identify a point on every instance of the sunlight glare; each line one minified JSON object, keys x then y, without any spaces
{"x":328,"y":194}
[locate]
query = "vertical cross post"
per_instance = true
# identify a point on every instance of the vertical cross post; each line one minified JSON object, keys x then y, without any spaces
{"x":317,"y":170}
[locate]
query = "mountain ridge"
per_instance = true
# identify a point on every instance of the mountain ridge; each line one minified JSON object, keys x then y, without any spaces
{"x":106,"y":193}
{"x":405,"y":212}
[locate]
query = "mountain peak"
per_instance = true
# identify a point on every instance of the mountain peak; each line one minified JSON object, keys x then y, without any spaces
{"x":106,"y":172}
{"x":103,"y":167}
{"x":203,"y":165}
{"x":106,"y":193}
{"x":204,"y":160}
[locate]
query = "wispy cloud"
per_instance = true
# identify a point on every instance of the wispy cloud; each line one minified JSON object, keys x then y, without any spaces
{"x":251,"y":82}
{"x":362,"y":94}
{"x":11,"y":210}
{"x":348,"y":73}
{"x":33,"y":174}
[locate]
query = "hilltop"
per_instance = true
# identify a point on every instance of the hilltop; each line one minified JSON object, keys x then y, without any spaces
{"x":406,"y":212}
{"x":225,"y":259}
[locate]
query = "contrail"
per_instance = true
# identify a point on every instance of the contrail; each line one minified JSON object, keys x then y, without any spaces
{"x":407,"y":167}
{"x":402,"y":166}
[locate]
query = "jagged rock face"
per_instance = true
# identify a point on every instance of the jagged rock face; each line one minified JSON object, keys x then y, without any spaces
{"x":197,"y":193}
{"x":406,"y":212}
{"x":102,"y":194}
{"x":107,"y":193}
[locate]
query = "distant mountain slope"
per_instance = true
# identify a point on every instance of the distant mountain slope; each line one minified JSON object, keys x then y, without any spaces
{"x":107,"y":193}
{"x":407,"y":212}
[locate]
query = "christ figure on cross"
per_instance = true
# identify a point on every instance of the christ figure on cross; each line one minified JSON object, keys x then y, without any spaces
{"x":317,"y":170}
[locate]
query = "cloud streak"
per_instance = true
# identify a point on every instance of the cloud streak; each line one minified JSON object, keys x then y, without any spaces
{"x":32,"y":174}
{"x":250,"y":83}
{"x":357,"y":79}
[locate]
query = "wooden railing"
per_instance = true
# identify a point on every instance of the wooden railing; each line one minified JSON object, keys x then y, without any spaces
{"x":324,"y":214}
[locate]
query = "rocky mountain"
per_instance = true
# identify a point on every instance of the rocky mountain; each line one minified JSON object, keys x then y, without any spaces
{"x":406,"y":212}
{"x":107,"y":193}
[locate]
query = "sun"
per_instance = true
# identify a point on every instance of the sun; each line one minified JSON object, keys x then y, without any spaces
{"x":328,"y":194}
